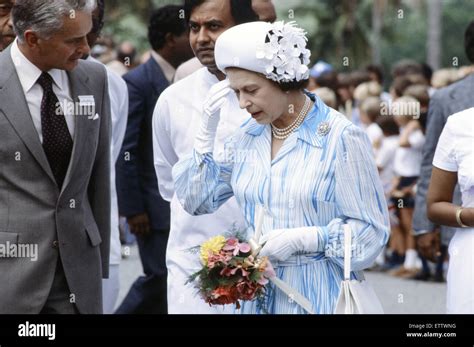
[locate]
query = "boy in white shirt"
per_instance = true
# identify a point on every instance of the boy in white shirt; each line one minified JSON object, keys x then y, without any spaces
{"x":369,"y":110}
{"x":407,"y":164}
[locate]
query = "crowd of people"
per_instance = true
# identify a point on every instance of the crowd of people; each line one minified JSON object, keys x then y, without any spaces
{"x":318,"y":149}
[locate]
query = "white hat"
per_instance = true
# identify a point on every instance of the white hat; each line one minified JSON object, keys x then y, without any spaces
{"x":276,"y":50}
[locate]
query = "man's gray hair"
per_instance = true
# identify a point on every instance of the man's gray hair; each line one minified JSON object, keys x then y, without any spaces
{"x":45,"y":17}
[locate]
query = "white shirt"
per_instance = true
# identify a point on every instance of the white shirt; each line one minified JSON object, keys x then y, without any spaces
{"x":118,"y":95}
{"x":374,"y":133}
{"x":408,"y":159}
{"x":28,"y":74}
{"x":455,"y":152}
{"x":187,"y":68}
{"x":385,"y":160}
{"x":176,"y":119}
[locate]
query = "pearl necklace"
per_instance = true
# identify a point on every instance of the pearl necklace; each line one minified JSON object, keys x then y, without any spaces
{"x":283,"y":134}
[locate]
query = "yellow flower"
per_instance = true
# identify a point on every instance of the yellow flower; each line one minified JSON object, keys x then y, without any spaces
{"x":212,"y":246}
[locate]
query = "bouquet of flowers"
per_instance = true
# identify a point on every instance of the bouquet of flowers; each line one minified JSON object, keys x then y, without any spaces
{"x":231,"y":272}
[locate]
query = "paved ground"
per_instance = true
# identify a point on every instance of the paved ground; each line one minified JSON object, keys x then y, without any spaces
{"x":397,"y":295}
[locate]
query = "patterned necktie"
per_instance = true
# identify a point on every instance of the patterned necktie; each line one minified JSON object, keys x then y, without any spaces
{"x":57,"y":141}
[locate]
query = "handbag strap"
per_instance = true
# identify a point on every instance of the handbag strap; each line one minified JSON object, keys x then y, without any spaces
{"x":348,"y":254}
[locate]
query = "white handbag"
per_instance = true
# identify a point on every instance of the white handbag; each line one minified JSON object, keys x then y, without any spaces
{"x":356,"y":296}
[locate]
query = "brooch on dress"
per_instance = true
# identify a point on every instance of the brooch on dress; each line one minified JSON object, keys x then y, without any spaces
{"x":323,"y":128}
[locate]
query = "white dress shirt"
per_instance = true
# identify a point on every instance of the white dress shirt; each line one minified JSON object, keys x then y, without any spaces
{"x":28,"y":74}
{"x":118,"y":95}
{"x":175,"y":121}
{"x":187,"y":68}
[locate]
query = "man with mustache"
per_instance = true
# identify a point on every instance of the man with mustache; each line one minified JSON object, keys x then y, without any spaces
{"x":175,"y":121}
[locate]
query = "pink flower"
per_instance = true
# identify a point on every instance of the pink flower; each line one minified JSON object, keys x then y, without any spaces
{"x":231,"y":244}
{"x":244,"y":247}
{"x":269,"y":272}
{"x":262,"y":281}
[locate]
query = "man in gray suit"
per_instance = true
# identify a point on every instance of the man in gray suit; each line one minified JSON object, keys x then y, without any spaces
{"x":444,"y":103}
{"x":54,"y":163}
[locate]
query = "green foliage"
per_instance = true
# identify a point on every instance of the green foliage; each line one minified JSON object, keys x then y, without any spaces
{"x":336,"y":28}
{"x":457,"y":15}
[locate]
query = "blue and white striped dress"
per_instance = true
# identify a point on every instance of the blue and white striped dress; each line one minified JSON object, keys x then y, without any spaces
{"x":321,"y":179}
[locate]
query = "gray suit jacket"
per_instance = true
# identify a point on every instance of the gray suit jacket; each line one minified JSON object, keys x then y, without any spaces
{"x":74,"y":223}
{"x":444,"y":103}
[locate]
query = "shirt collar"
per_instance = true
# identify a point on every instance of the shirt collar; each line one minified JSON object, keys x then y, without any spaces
{"x":168,"y":69}
{"x":28,"y":73}
{"x":307,"y":131}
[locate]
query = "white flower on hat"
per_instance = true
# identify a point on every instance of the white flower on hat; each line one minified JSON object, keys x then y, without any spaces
{"x":284,"y":55}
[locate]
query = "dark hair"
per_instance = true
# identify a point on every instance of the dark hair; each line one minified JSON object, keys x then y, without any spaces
{"x":399,"y":85}
{"x":358,"y":77}
{"x":469,"y":42}
{"x":427,"y":72}
{"x":241,"y":10}
{"x":165,"y":20}
{"x":388,"y":125}
{"x":376,"y":70}
{"x":98,"y":24}
{"x":406,"y":67}
{"x":328,"y":79}
{"x":294,"y":85}
{"x":422,"y":120}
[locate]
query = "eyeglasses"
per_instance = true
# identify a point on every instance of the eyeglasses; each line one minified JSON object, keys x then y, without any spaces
{"x":5,"y":9}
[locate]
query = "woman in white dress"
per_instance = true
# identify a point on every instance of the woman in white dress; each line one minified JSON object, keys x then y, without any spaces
{"x":454,"y":163}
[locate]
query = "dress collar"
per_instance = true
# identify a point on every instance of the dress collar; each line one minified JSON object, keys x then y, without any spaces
{"x":308,"y":131}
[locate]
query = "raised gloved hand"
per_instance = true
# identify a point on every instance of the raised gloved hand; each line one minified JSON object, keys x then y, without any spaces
{"x":280,"y":244}
{"x":215,"y":99}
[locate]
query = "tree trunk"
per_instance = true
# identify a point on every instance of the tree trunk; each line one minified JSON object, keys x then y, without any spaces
{"x":377,"y":22}
{"x":433,"y":43}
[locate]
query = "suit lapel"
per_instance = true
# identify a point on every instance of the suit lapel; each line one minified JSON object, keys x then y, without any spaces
{"x":157,"y":76}
{"x":14,"y":105}
{"x":78,"y":81}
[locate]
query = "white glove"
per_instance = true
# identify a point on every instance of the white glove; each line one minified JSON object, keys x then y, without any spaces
{"x":280,"y":244}
{"x":215,"y":99}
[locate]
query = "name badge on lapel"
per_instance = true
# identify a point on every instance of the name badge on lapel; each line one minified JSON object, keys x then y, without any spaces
{"x":87,"y":106}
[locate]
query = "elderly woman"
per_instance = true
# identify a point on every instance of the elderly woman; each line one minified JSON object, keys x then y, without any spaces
{"x":453,"y":163}
{"x":306,"y":164}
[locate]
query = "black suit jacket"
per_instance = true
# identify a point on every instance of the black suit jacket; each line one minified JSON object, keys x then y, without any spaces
{"x":137,"y":186}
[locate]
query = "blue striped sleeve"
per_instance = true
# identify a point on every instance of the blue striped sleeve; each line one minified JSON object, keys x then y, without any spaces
{"x":360,"y":202}
{"x":202,"y":185}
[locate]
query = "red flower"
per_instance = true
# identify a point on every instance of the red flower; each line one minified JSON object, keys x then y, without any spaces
{"x":247,"y":290}
{"x":224,"y":296}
